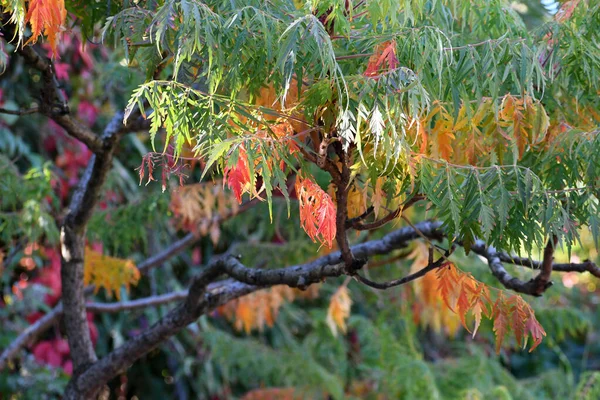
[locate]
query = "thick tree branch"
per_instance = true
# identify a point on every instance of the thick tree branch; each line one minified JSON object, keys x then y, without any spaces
{"x":542,"y":280}
{"x":80,"y":210}
{"x":534,"y":286}
{"x":203,"y":296}
{"x":352,"y":262}
{"x":199,"y":301}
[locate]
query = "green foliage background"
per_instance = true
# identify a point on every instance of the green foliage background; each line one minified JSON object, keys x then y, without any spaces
{"x":383,"y":348}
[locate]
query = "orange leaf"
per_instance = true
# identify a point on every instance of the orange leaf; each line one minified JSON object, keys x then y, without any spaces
{"x":462,"y":307}
{"x":258,"y":309}
{"x":517,"y":318}
{"x":47,"y":16}
{"x":273,"y":394}
{"x":566,"y":10}
{"x":477,"y":310}
{"x":430,"y":309}
{"x":501,"y":322}
{"x":448,"y":284}
{"x":462,"y":294}
{"x":317,"y":212}
{"x":378,"y":196}
{"x":533,"y":327}
{"x":479,"y":306}
{"x":444,"y":129}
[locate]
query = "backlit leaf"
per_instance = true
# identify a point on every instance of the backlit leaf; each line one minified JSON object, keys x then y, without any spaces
{"x":339,"y":310}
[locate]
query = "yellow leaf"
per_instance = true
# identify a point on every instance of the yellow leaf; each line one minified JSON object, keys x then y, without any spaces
{"x":357,"y":202}
{"x":378,"y":196}
{"x":111,"y":273}
{"x":339,"y":310}
{"x":462,"y":120}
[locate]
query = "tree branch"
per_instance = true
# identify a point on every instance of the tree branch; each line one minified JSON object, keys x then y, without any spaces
{"x":145,"y":302}
{"x":53,"y":104}
{"x":50,"y":318}
{"x":72,"y":240}
{"x":586,"y":266}
{"x":204,"y":296}
{"x":19,"y":112}
{"x":30,"y":334}
{"x":542,"y":280}
{"x":199,"y":301}
{"x":409,"y":278}
{"x":534,"y":286}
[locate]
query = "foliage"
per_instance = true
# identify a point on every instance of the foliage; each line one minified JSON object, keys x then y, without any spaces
{"x":109,"y":273}
{"x":284,"y":131}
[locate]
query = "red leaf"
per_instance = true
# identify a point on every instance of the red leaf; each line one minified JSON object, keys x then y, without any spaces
{"x":384,"y":53}
{"x":326,"y":217}
{"x":238,"y":176}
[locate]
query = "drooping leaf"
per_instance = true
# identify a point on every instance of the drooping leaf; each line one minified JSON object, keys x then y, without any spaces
{"x":238,"y":177}
{"x":47,"y":17}
{"x":317,"y":211}
{"x":339,"y":310}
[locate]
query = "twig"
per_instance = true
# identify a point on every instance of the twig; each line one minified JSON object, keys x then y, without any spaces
{"x":389,"y":217}
{"x":409,"y":278}
{"x":350,"y":222}
{"x":19,"y":112}
{"x":30,"y":334}
{"x":585,"y":266}
{"x":145,"y":302}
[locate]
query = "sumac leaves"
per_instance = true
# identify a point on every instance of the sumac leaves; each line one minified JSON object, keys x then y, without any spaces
{"x":317,"y":212}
